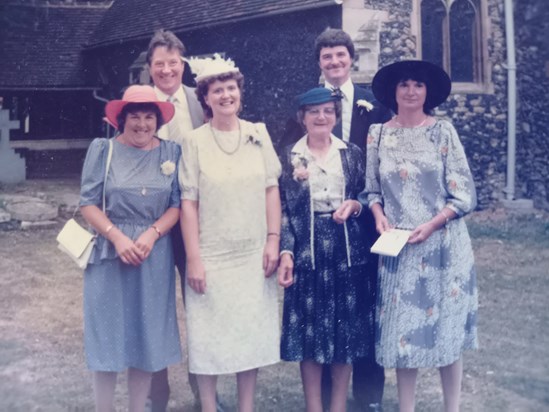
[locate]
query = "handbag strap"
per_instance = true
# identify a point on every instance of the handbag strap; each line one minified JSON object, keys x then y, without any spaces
{"x":380,"y":132}
{"x":109,"y":157}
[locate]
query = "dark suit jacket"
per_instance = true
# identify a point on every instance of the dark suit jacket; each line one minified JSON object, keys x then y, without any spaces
{"x":362,"y":119}
{"x":297,"y":215}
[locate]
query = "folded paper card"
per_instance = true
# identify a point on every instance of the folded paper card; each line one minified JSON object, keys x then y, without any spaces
{"x":391,"y":242}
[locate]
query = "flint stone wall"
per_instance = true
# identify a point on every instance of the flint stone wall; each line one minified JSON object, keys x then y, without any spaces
{"x":481,"y":119}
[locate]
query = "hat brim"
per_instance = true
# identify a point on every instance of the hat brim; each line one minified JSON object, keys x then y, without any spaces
{"x":114,"y":107}
{"x":209,"y":74}
{"x":385,"y":80}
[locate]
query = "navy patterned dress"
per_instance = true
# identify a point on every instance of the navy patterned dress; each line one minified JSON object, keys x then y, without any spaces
{"x":327,"y":311}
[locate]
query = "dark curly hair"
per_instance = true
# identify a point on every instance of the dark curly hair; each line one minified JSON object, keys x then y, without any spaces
{"x":139,"y":107}
{"x":332,"y":38}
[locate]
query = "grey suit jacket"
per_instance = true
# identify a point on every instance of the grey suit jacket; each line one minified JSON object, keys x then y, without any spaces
{"x":195,"y":109}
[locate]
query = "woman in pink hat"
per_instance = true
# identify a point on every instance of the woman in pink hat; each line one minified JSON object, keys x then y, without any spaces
{"x":129,"y":284}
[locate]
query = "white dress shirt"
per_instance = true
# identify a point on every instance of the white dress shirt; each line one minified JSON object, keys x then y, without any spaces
{"x":181,"y":121}
{"x":348,"y":91}
{"x":326,"y":179}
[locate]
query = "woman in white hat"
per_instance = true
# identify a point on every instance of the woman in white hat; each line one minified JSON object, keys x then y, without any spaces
{"x":231,"y":228}
{"x":417,"y":178}
{"x":129,"y":284}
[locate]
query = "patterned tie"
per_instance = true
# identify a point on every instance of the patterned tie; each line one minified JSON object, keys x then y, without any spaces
{"x":338,"y":128}
{"x":336,"y":91}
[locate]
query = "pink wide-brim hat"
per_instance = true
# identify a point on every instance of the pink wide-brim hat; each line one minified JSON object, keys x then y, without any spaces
{"x":138,"y":94}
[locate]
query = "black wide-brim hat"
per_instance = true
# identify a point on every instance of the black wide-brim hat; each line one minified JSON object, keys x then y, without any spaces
{"x":437,"y":80}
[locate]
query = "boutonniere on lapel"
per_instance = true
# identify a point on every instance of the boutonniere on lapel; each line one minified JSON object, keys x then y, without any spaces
{"x":167,"y":168}
{"x":300,"y":174}
{"x":251,"y":139}
{"x":364,"y":105}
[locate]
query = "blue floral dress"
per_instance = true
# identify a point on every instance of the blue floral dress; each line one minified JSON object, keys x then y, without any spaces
{"x":427,"y":303}
{"x":129,"y":311}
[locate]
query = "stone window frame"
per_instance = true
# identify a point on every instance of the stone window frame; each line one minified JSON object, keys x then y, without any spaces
{"x":484,"y":85}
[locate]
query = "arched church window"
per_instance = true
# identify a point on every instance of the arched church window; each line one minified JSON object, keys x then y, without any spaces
{"x":452,"y":37}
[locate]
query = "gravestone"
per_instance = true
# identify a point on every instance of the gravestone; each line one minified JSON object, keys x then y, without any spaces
{"x":12,"y":166}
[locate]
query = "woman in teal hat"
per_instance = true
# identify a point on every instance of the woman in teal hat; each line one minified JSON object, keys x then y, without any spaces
{"x":322,"y":267}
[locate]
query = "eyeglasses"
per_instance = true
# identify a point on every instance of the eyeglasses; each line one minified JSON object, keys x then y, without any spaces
{"x":327,"y":111}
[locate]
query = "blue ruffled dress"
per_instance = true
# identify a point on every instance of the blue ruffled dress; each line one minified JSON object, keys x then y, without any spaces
{"x":130,"y":312}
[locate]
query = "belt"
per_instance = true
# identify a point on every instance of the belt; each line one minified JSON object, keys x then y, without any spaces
{"x":324,"y":214}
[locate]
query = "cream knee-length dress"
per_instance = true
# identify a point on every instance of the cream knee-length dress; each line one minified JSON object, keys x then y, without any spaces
{"x":234,"y":326}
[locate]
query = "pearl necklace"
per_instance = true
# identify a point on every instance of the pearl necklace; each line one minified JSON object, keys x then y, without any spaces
{"x":417,"y":125}
{"x":216,"y":140}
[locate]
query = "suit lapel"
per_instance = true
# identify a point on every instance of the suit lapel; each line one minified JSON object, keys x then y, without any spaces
{"x":357,"y":133}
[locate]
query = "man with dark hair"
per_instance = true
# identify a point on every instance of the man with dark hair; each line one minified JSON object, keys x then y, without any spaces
{"x":335,"y":52}
{"x":167,"y":68}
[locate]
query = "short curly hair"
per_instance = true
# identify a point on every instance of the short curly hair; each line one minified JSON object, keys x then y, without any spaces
{"x":204,"y":85}
{"x":300,"y":115}
{"x":332,"y":38}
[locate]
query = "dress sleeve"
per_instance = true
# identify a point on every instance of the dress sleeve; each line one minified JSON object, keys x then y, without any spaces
{"x":272,"y":164}
{"x":372,"y":190}
{"x":189,"y":171}
{"x":460,"y":186}
{"x":93,"y":173}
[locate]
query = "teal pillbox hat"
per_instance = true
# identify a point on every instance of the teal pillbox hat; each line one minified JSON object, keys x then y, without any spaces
{"x":318,"y":95}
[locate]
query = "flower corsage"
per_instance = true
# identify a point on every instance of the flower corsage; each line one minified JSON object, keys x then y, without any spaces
{"x":251,"y":139}
{"x":300,"y":173}
{"x":167,"y":168}
{"x":364,"y":105}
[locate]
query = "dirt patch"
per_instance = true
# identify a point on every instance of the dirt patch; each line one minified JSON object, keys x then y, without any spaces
{"x":41,"y":355}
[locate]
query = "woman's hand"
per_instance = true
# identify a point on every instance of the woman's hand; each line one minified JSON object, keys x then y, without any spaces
{"x":286,"y":270}
{"x":422,"y":233}
{"x":127,"y":250}
{"x":145,"y":242}
{"x":196,"y":275}
{"x":270,"y":255}
{"x":382,"y":224}
{"x":347,"y":208}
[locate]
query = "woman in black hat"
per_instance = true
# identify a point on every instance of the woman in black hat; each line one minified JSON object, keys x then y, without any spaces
{"x":323,"y":259}
{"x":418,"y":179}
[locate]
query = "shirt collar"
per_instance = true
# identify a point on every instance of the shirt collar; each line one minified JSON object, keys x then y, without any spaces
{"x":179,"y":94}
{"x":301,"y":145}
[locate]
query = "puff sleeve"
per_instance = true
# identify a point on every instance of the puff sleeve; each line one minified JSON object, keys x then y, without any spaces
{"x":93,"y":173}
{"x":189,"y":169}
{"x":272,"y":164}
{"x":458,"y":180}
